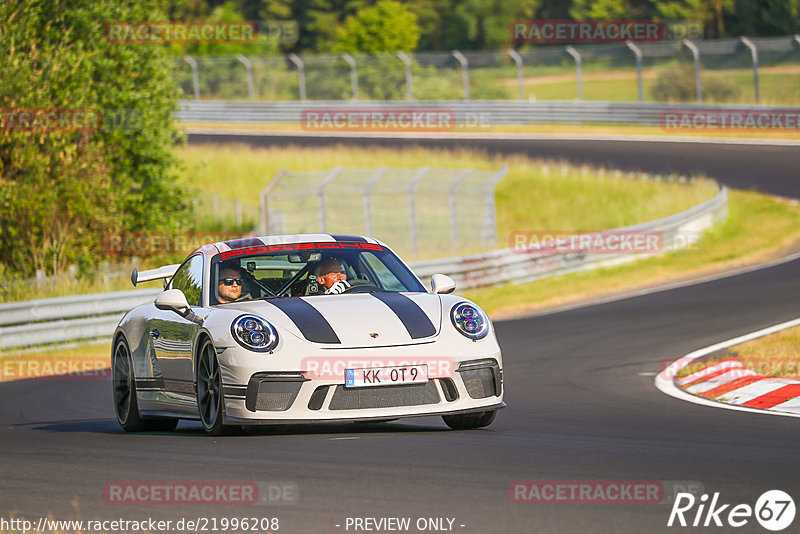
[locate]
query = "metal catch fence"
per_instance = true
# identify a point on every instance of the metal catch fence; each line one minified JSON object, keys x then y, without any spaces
{"x":417,"y":210}
{"x":724,"y":70}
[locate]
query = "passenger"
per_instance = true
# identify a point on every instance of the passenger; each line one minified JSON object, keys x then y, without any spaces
{"x":331,"y":277}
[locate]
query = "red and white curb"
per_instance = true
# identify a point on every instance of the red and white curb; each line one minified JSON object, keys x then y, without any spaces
{"x":728,"y":384}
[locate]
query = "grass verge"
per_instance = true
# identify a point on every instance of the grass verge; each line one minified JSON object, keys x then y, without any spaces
{"x":758,"y":228}
{"x":532,"y":196}
{"x":776,"y":355}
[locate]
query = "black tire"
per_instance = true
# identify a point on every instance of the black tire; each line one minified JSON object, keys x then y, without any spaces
{"x":469,"y":421}
{"x":208,"y":387}
{"x":123,"y":383}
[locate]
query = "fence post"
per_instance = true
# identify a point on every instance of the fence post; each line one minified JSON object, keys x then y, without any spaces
{"x":462,"y":60}
{"x":301,"y":74}
{"x":353,"y":73}
{"x":195,"y":76}
{"x":237,"y":212}
{"x":454,"y":205}
{"x":265,"y":222}
{"x":578,"y":61}
{"x":409,"y":82}
{"x":754,"y":54}
{"x":321,"y":196}
{"x":412,"y":206}
{"x":249,"y":68}
{"x":373,"y":180}
{"x":490,"y":218}
{"x":697,"y":81}
{"x":638,"y":53}
{"x":520,"y":81}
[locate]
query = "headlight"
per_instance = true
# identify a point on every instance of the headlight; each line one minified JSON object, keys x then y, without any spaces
{"x":254,"y":333}
{"x":470,"y":320}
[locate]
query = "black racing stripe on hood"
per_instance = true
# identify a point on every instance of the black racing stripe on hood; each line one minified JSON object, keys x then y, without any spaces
{"x":413,"y":318}
{"x":244,"y":243}
{"x":311,"y":323}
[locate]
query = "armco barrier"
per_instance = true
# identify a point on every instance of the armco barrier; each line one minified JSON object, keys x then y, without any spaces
{"x":471,"y":113}
{"x":66,"y":319}
{"x":503,"y":266}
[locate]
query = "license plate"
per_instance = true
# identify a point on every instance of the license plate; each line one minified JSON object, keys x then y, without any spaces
{"x":385,"y":376}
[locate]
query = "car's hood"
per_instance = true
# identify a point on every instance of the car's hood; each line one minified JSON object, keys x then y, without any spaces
{"x":357,"y":320}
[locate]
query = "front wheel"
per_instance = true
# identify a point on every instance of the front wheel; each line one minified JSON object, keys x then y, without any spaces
{"x":469,"y":421}
{"x":209,"y":391}
{"x":124,"y":388}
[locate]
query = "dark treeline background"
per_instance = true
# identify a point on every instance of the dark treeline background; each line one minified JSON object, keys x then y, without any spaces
{"x":335,"y":25}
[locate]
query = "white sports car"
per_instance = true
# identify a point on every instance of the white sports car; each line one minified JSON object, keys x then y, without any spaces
{"x":302,"y":328}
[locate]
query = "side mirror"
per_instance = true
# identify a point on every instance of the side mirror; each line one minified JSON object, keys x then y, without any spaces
{"x":173,"y":299}
{"x":442,"y":284}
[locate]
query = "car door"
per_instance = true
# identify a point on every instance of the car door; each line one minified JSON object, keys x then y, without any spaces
{"x":172,"y":335}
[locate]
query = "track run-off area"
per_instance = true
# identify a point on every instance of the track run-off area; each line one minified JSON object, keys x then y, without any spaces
{"x":582,"y":405}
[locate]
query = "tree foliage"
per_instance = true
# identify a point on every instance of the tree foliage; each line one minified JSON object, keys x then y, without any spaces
{"x":388,"y":26}
{"x":63,"y":189}
{"x":482,"y":24}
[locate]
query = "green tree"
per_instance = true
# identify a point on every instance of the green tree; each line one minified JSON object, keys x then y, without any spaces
{"x":762,"y":17}
{"x":599,"y":9}
{"x":388,"y":26}
{"x":487,"y":22}
{"x":63,"y":190}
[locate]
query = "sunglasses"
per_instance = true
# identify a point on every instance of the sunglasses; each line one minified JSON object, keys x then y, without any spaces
{"x":230,"y":281}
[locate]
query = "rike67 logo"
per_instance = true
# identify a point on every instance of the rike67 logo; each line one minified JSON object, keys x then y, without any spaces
{"x":774,"y":510}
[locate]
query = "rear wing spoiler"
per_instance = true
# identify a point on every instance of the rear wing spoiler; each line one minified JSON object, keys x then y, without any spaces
{"x":153,"y":274}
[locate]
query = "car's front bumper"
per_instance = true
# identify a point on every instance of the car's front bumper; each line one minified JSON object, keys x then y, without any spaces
{"x":292,"y":397}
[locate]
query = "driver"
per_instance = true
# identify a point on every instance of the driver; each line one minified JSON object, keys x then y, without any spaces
{"x":229,"y":285}
{"x":332,"y":277}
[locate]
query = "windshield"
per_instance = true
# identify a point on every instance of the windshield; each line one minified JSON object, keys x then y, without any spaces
{"x":307,"y":269}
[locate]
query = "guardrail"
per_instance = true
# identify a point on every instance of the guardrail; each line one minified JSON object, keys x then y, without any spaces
{"x":66,"y":319}
{"x":473,"y":114}
{"x":83,"y":317}
{"x":503,"y":266}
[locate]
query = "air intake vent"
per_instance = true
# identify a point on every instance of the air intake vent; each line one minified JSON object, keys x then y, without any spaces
{"x":384,"y":397}
{"x":317,"y":398}
{"x":481,"y":379}
{"x":449,"y":389}
{"x":272,"y":392}
{"x":277,"y":396}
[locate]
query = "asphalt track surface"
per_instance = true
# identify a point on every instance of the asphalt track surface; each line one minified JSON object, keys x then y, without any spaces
{"x":582,"y":406}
